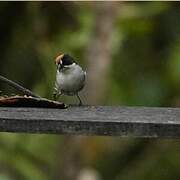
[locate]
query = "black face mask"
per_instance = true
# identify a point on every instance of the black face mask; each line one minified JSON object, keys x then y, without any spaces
{"x":60,"y":67}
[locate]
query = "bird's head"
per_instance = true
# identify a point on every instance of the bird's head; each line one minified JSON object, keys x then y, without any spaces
{"x":63,"y":61}
{"x":58,"y":61}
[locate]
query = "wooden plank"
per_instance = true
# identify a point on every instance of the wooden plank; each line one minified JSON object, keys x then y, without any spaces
{"x":92,"y":120}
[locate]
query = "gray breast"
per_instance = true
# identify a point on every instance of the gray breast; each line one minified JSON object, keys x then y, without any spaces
{"x":71,"y":80}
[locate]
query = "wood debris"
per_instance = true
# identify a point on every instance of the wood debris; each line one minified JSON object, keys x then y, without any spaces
{"x":28,"y":101}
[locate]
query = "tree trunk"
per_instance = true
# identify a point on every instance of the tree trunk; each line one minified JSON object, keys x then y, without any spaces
{"x":99,"y":51}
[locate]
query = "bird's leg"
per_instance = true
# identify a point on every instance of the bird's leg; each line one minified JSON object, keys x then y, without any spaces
{"x":54,"y":96}
{"x":80,"y":102}
{"x":56,"y":93}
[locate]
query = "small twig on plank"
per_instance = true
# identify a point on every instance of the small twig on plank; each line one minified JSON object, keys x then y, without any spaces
{"x":29,"y":100}
{"x":18,"y":87}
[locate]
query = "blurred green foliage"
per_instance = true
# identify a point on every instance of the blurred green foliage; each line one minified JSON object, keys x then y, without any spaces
{"x":145,"y":71}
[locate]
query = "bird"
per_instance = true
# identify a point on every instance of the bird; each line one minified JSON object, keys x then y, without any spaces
{"x":70,"y":77}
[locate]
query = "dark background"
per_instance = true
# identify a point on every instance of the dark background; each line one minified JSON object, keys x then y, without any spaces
{"x":131,"y":52}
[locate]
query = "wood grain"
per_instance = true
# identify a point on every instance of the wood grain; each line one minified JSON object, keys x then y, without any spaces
{"x":93,"y":120}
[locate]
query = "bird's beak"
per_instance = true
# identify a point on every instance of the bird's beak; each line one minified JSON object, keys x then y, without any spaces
{"x":59,"y":62}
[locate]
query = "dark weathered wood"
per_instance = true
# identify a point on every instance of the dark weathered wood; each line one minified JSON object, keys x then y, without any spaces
{"x":27,"y":101}
{"x":90,"y":120}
